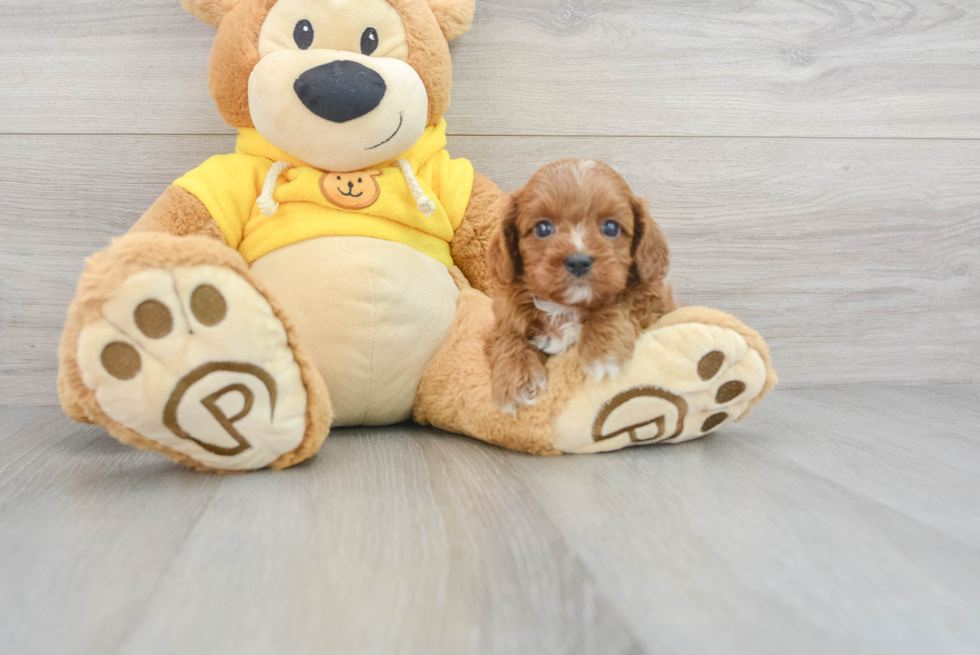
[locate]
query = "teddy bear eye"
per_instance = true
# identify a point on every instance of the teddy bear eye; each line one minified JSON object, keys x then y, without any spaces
{"x":369,"y":41}
{"x":544,"y":229}
{"x":303,"y":34}
{"x":611,"y":229}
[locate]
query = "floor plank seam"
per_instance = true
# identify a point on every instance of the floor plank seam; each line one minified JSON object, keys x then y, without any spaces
{"x":861,"y":496}
{"x":537,"y":513}
{"x":138,"y":621}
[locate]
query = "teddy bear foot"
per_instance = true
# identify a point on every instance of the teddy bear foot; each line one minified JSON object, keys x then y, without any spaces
{"x":693,"y":372}
{"x":194,"y":361}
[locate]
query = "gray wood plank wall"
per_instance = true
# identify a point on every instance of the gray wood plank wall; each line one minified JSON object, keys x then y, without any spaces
{"x":815,"y":165}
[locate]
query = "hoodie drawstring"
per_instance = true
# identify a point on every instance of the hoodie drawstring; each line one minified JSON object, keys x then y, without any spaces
{"x":422,"y":201}
{"x":266,"y":202}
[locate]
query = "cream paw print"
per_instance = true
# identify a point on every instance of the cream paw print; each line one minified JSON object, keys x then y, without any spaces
{"x":685,"y":381}
{"x":195,"y":359}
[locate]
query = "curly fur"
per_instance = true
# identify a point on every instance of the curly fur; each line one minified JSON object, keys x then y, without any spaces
{"x":542,"y":306}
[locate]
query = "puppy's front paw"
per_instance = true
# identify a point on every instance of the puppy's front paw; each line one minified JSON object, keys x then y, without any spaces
{"x":517,"y":383}
{"x":599,"y":364}
{"x":600,"y":369}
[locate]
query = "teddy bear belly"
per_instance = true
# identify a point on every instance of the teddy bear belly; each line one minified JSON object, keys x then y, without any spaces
{"x":371,"y":313}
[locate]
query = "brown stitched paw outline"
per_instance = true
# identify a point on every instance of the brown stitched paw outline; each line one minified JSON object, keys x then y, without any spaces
{"x":211,"y":404}
{"x":637,"y":430}
{"x":685,"y":381}
{"x":619,"y":409}
{"x":187,"y":359}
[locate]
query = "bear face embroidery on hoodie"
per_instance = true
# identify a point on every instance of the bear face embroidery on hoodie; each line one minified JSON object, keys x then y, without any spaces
{"x":351,"y":190}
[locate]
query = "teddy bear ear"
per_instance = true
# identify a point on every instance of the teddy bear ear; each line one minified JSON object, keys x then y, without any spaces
{"x":455,"y":16}
{"x":209,"y":11}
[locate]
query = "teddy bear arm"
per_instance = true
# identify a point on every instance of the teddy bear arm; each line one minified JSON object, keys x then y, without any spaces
{"x":180,"y":213}
{"x":475,"y":234}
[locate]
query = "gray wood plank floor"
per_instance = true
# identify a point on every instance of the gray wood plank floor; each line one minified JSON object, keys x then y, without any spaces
{"x":835,"y":521}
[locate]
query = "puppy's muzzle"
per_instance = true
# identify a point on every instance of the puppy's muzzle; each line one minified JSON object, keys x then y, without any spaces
{"x":341,"y":90}
{"x":579,"y":265}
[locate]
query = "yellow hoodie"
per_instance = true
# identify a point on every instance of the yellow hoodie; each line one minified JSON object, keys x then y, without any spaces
{"x":306,"y":203}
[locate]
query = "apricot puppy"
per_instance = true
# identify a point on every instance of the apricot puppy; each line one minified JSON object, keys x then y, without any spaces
{"x":579,"y":263}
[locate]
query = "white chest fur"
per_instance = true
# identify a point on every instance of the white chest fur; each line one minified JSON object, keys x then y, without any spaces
{"x":563,"y":328}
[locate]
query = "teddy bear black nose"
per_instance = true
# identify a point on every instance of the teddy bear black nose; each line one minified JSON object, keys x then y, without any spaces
{"x":341,"y":90}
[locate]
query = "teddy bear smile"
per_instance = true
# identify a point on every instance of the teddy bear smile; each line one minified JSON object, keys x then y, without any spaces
{"x":401,"y":121}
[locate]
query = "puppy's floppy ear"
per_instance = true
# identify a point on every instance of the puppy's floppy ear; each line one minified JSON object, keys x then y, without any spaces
{"x":455,"y":16}
{"x":209,"y":11}
{"x":504,"y":257}
{"x":651,"y":256}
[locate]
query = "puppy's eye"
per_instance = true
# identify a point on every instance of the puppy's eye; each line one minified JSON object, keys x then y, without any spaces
{"x":369,"y":41}
{"x":544,"y":229}
{"x":303,"y":34}
{"x":611,"y":229}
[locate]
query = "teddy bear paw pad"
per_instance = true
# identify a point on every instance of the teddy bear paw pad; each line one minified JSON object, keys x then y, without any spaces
{"x":195,"y":359}
{"x":684,"y":382}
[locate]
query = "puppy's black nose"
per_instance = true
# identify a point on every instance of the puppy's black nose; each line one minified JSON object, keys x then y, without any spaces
{"x":341,"y":90}
{"x":578,"y":264}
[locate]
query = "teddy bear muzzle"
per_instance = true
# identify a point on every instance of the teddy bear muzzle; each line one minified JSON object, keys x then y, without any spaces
{"x":341,"y":91}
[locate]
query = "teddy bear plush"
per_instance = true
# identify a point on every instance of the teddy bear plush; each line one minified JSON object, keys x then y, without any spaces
{"x":332,"y":271}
